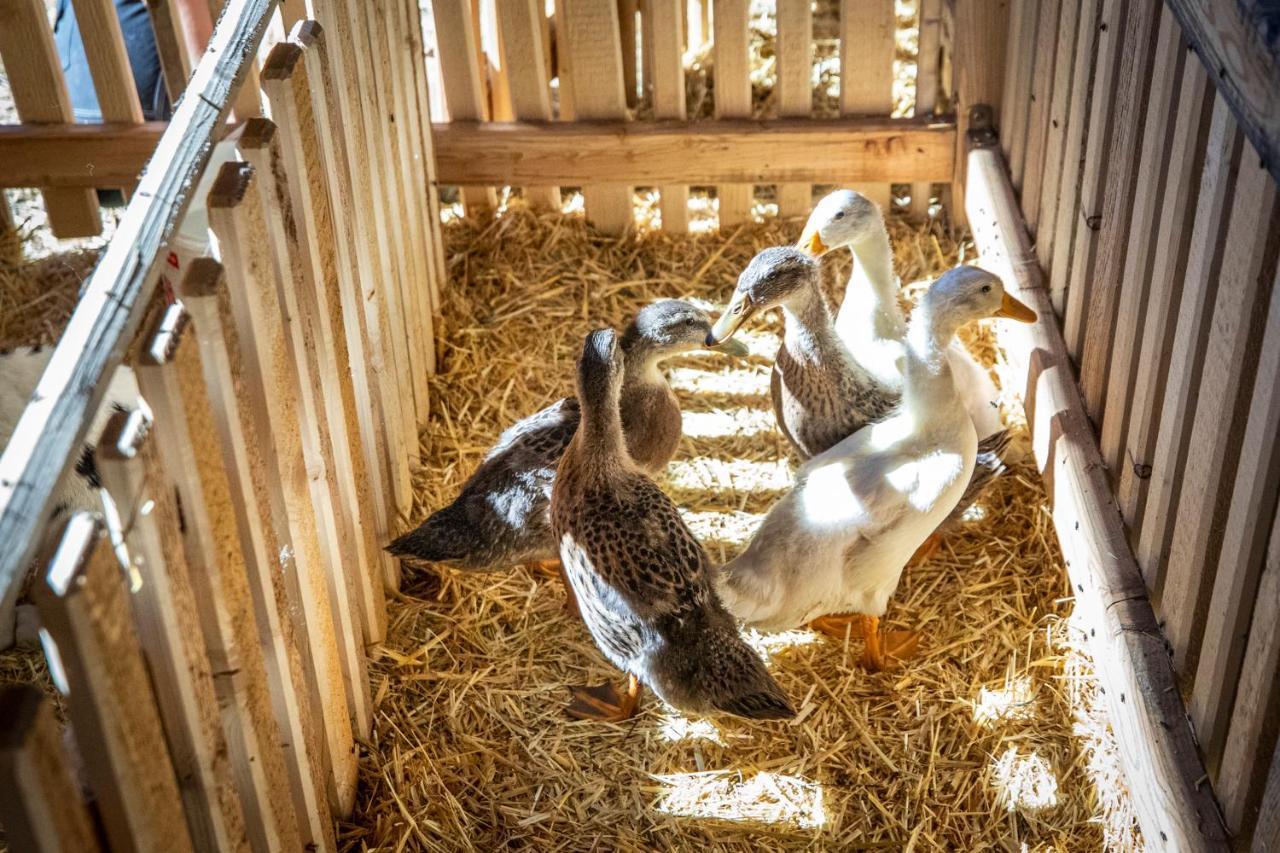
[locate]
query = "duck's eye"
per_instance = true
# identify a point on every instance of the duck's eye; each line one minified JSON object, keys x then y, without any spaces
{"x":839,"y":214}
{"x":986,"y":288}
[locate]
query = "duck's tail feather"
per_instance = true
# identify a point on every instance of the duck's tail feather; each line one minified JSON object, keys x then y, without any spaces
{"x":722,"y":673}
{"x":445,"y":537}
{"x":988,"y":465}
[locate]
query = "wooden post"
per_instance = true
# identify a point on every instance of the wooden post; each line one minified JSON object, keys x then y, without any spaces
{"x":171,"y":380}
{"x":278,"y":599}
{"x":175,"y":63}
{"x":1055,"y":137}
{"x":664,"y":34}
{"x":270,"y":373}
{"x":627,"y":40}
{"x":525,"y":54}
{"x":84,"y":605}
{"x":40,"y":95}
{"x":979,"y":62}
{"x":41,"y":808}
{"x":1046,"y":43}
{"x":795,"y":89}
{"x":729,"y":22}
{"x":457,"y":46}
{"x":1015,"y":116}
{"x":866,"y":69}
{"x":928,"y":83}
{"x":108,"y":61}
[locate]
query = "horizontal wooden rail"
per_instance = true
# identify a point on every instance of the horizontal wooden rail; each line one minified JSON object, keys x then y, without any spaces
{"x":1157,"y":749}
{"x":76,"y":155}
{"x":695,"y":152}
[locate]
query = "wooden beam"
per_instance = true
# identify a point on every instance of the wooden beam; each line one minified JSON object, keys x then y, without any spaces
{"x":76,"y":155}
{"x":673,"y":152}
{"x":1156,"y":746}
{"x":110,"y":308}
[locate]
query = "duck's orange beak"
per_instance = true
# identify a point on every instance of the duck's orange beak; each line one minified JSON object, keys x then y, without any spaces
{"x":1012,"y":309}
{"x":811,"y":244}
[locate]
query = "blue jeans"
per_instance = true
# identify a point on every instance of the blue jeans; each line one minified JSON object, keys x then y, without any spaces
{"x":139,"y":43}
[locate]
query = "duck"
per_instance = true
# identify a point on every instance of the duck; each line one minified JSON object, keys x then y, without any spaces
{"x":837,"y":543}
{"x":499,"y":519}
{"x":643,"y":583}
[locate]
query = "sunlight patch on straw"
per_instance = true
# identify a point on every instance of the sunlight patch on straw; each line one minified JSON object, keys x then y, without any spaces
{"x":730,"y":795}
{"x":696,"y":381}
{"x":677,"y":728}
{"x":725,"y":422}
{"x":1024,"y":783}
{"x":769,"y":644}
{"x":1011,"y":701}
{"x":735,"y":474}
{"x":734,"y":528}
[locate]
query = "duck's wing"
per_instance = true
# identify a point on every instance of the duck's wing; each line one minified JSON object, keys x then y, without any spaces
{"x":542,"y":436}
{"x":775,"y":393}
{"x":980,"y":396}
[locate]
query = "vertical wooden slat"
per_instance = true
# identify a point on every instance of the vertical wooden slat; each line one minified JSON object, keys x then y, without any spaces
{"x":1244,"y":544}
{"x":978,"y":44}
{"x":1073,"y":153}
{"x":1038,"y":121}
{"x":314,"y":263}
{"x":40,"y":808}
{"x":1221,"y":407}
{"x":457,"y":43}
{"x":1119,"y":178}
{"x":1266,"y":834}
{"x":1098,"y":154}
{"x":1148,"y":201}
{"x":1055,"y":136}
{"x":1173,"y":240}
{"x":170,"y":378}
{"x":866,"y":69}
{"x":270,"y":376}
{"x":665,"y":19}
{"x":40,"y":95}
{"x":525,"y":54}
{"x":1022,"y":66}
{"x":627,"y":38}
{"x":1251,"y":739}
{"x":732,"y":95}
{"x":329,"y":522}
{"x":108,"y":61}
{"x":928,"y":74}
{"x":497,"y":75}
{"x":84,"y":605}
{"x":266,"y":551}
{"x":1218,"y":187}
{"x":175,"y":62}
{"x":169,"y":628}
{"x":353,"y":216}
{"x":1014,"y":62}
{"x":589,"y":32}
{"x":795,"y":89}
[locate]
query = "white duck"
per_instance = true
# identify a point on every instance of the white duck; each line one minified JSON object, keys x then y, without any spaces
{"x":837,"y":543}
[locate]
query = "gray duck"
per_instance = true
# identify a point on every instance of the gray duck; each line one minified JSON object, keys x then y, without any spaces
{"x":644,"y":584}
{"x":499,"y":518}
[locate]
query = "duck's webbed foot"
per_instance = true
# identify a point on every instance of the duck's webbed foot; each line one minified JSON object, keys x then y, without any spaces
{"x":839,"y":625}
{"x":884,"y":649}
{"x":604,"y":702}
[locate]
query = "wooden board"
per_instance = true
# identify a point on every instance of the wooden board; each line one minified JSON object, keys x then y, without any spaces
{"x":1046,"y":43}
{"x":781,"y":150}
{"x":1186,"y":358}
{"x":1148,"y":202}
{"x":1015,"y":56}
{"x":270,"y":374}
{"x":928,"y":83}
{"x":524,"y":52}
{"x":1022,"y":67}
{"x":170,"y":631}
{"x":108,"y":61}
{"x":589,"y":32}
{"x":1055,"y":136}
{"x":84,"y":604}
{"x":75,"y":155}
{"x":40,"y":96}
{"x":732,"y":95}
{"x":1221,"y":407}
{"x":866,"y":76}
{"x":980,"y":30}
{"x":457,"y":44}
{"x":664,"y":21}
{"x":175,"y":61}
{"x":1173,"y":240}
{"x":277,"y":603}
{"x":1266,"y":834}
{"x":1110,"y":240}
{"x":41,"y":810}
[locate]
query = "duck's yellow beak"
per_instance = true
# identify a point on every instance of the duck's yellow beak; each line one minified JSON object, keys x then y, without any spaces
{"x":1012,"y":309}
{"x":811,"y":244}
{"x":739,"y":309}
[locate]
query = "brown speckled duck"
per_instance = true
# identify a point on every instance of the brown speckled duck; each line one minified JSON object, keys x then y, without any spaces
{"x":642,"y":581}
{"x":499,"y":519}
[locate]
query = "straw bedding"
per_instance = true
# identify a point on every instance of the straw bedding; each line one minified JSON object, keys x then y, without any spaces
{"x":991,"y":739}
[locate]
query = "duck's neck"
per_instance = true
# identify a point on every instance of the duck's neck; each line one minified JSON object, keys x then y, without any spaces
{"x":870,"y":310}
{"x":928,"y":386}
{"x":600,"y":439}
{"x":642,"y":369}
{"x":807,"y":330}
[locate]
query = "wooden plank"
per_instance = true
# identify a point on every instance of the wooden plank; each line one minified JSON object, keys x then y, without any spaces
{"x":1022,"y":69}
{"x":109,"y":308}
{"x":270,"y":372}
{"x":497,"y":76}
{"x":85,"y":607}
{"x":866,"y":70}
{"x":1114,"y":48}
{"x":300,"y":318}
{"x":1154,"y":741}
{"x":627,"y":40}
{"x":1148,"y":202}
{"x":1110,"y":239}
{"x":312,"y":247}
{"x":1038,"y":121}
{"x":525,"y":54}
{"x":171,"y":47}
{"x":781,"y":150}
{"x":295,"y":693}
{"x":1237,"y":44}
{"x":458,"y":46}
{"x":1244,"y":544}
{"x":353,"y":212}
{"x":1173,"y":240}
{"x":1266,"y":835}
{"x":1073,"y":153}
{"x":928,"y":79}
{"x":169,"y":629}
{"x":75,"y":155}
{"x":1218,"y":188}
{"x":108,"y":61}
{"x":40,"y":96}
{"x":41,"y":810}
{"x":1251,"y":739}
{"x":732,"y":95}
{"x":980,"y":31}
{"x":1015,"y":63}
{"x":589,"y":32}
{"x":1055,"y":136}
{"x":1221,"y":408}
{"x":794,"y":90}
{"x":171,"y":379}
{"x":666,"y":20}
